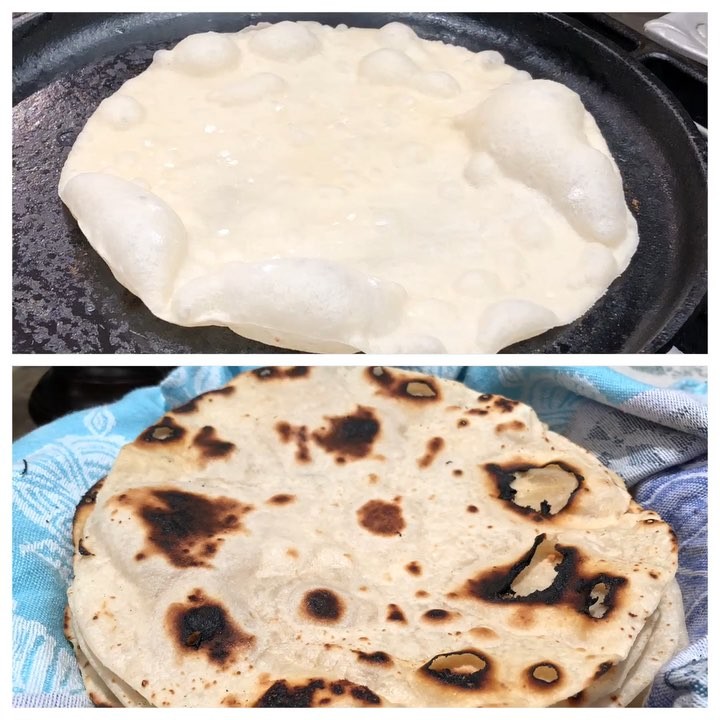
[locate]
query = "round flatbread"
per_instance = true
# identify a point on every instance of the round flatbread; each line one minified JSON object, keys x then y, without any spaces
{"x":333,"y":189}
{"x":363,"y":536}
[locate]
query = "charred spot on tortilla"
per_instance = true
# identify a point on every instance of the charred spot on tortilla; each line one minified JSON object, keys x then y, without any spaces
{"x":297,"y":433}
{"x":437,"y":615}
{"x":374,"y":658}
{"x":210,"y":445}
{"x":205,"y":626}
{"x":414,"y":568}
{"x":423,"y":389}
{"x":166,"y":431}
{"x":537,"y":490}
{"x":464,"y":669}
{"x":181,"y":526}
{"x":544,"y":674}
{"x":350,"y":435}
{"x":278,"y":373}
{"x":594,"y":595}
{"x":194,"y":404}
{"x":281,"y":499}
{"x":282,"y":695}
{"x":395,"y":614}
{"x":322,"y":605}
{"x":381,"y":518}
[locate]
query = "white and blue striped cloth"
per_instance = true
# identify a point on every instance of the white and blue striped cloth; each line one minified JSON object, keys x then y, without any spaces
{"x":648,"y":426}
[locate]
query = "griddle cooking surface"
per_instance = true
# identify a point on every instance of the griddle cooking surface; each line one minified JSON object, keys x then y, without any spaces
{"x":66,"y":299}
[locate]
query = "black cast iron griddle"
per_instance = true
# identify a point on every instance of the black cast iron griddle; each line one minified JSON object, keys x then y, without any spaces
{"x":66,"y":299}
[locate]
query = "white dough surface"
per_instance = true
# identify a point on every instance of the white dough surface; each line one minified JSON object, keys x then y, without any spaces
{"x":338,"y":189}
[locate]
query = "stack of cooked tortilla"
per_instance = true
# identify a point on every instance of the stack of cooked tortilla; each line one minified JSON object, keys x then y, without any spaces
{"x":370,"y":537}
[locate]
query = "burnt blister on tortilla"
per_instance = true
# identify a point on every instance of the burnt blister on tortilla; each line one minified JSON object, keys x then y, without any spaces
{"x":374,"y":658}
{"x":419,"y":389}
{"x":297,"y":433}
{"x":322,"y":605}
{"x":277,"y":373}
{"x":381,"y":518}
{"x":594,"y":595}
{"x":436,"y":615}
{"x":193,"y":404}
{"x":210,"y":445}
{"x":395,"y":614}
{"x":544,"y":675}
{"x":204,"y":625}
{"x":540,"y":491}
{"x":82,"y":549}
{"x":350,"y":435}
{"x":282,"y":695}
{"x":166,"y":431}
{"x":464,"y":669}
{"x":184,"y":527}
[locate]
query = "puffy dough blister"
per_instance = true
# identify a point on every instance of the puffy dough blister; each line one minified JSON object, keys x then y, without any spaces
{"x":338,"y":189}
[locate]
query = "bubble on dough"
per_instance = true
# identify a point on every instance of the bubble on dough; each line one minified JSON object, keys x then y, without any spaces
{"x":596,"y":267}
{"x":139,"y":236}
{"x":121,"y":111}
{"x":508,"y":321}
{"x":306,"y":296}
{"x":437,"y":84}
{"x":521,"y":76}
{"x":285,"y":41}
{"x":480,"y":169}
{"x":535,"y":132}
{"x":396,"y":35}
{"x":249,"y":90}
{"x":490,"y":59}
{"x":387,"y":67}
{"x":479,"y":283}
{"x":205,"y":54}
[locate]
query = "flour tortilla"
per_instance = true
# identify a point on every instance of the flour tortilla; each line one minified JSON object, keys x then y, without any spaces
{"x":344,"y":535}
{"x":338,"y":189}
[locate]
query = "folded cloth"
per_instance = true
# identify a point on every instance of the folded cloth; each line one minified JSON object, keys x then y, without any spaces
{"x":645,"y":423}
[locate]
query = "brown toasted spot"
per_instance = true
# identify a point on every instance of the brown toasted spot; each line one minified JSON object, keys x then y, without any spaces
{"x":653,"y":574}
{"x":414,"y":568}
{"x":277,"y":373}
{"x":602,"y":668}
{"x":140,"y":556}
{"x":293,"y":553}
{"x":593,"y":595}
{"x":381,"y":518}
{"x":515,"y":425}
{"x":577,"y":698}
{"x":373,"y":478}
{"x":523,"y":617}
{"x":503,"y":404}
{"x":434,"y":446}
{"x":338,"y":688}
{"x":166,"y":431}
{"x":465,"y":669}
{"x":375,"y":658}
{"x":457,"y":472}
{"x":423,"y":389}
{"x":485,"y":397}
{"x":281,"y":694}
{"x":477,"y":411}
{"x":82,"y":549}
{"x":462,"y":423}
{"x":422,"y":593}
{"x":281,"y":499}
{"x":231,"y":701}
{"x":543,"y":674}
{"x":472,"y":508}
{"x":436,"y":615}
{"x":193,"y":404}
{"x":145,"y":683}
{"x":349,"y":435}
{"x":179,"y":525}
{"x":298,"y":433}
{"x":395,"y":614}
{"x":505,"y":475}
{"x":206,"y":626}
{"x":365,"y":695}
{"x":483,"y":633}
{"x":322,"y":605}
{"x":210,"y":445}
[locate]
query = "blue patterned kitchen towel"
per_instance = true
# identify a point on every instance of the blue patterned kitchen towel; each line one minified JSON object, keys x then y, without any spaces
{"x":648,"y":424}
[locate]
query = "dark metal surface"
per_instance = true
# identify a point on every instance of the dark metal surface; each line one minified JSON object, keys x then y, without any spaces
{"x":66,"y":300}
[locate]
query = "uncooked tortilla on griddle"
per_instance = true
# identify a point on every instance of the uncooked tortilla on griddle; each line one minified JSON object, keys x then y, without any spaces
{"x":338,"y":189}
